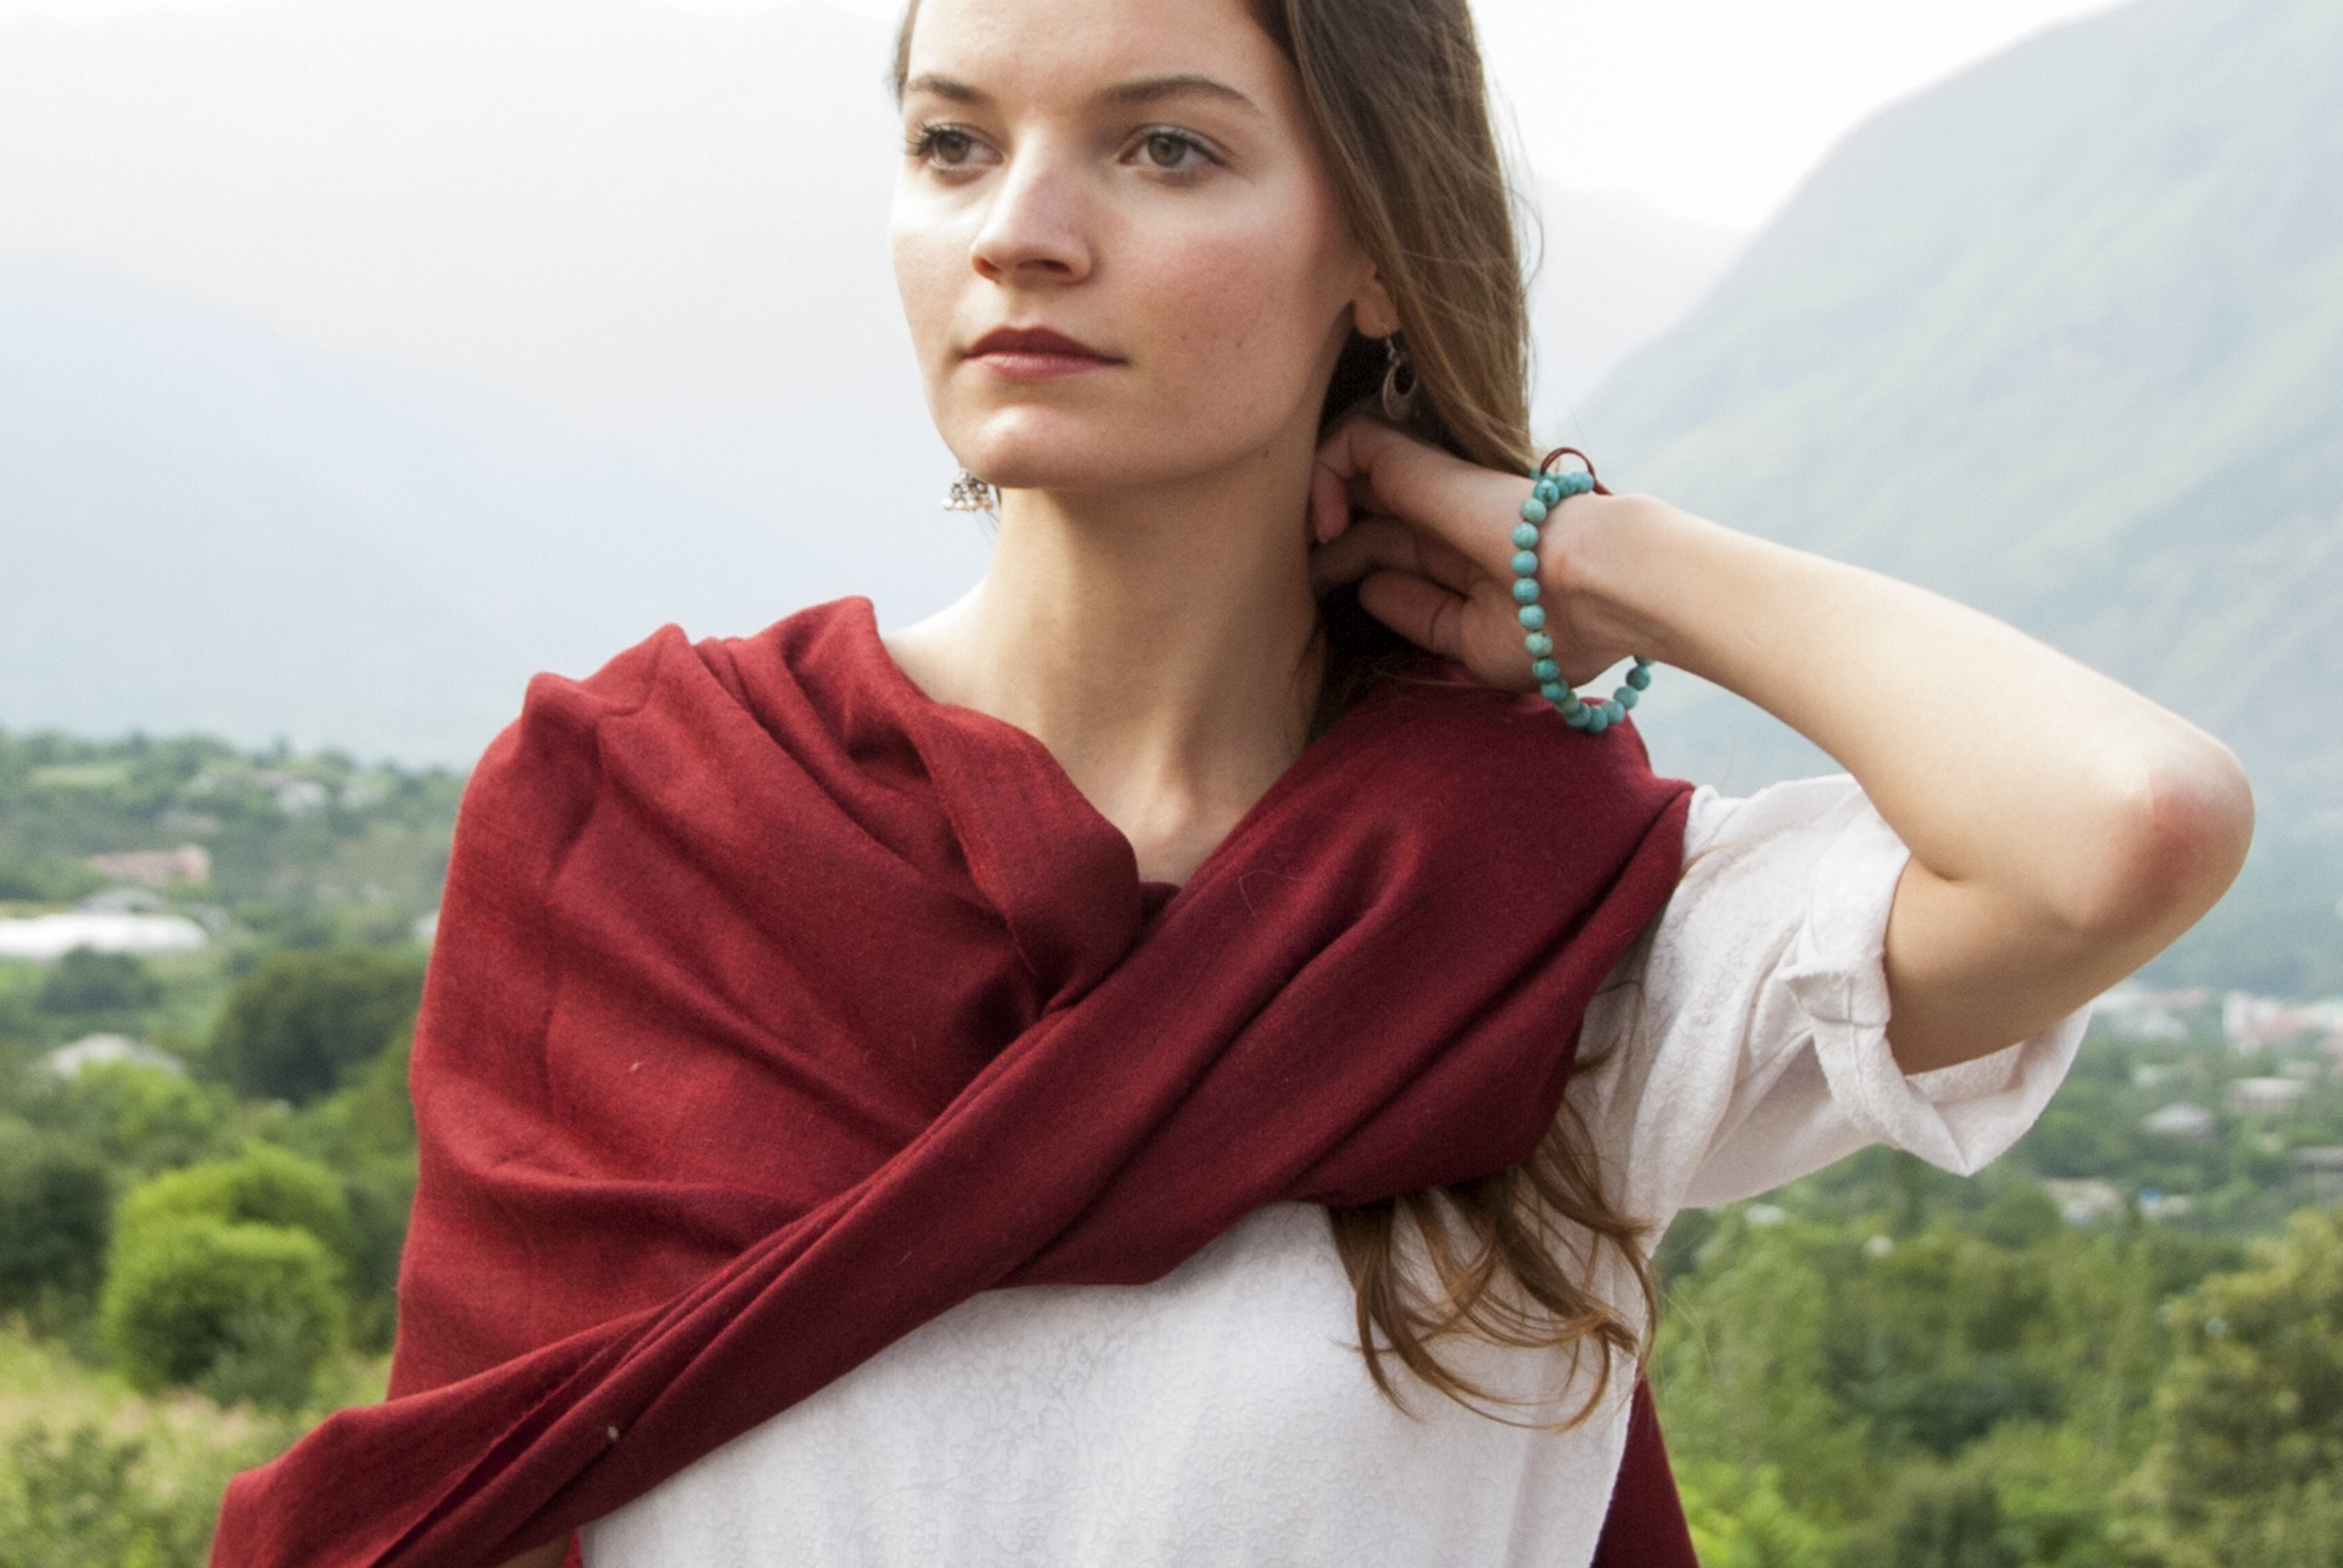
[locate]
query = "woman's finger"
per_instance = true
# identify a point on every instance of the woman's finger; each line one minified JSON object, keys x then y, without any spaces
{"x":1418,"y":609}
{"x":1470,"y":509}
{"x":1447,"y":565}
{"x":1330,"y":504}
{"x":1373,"y":544}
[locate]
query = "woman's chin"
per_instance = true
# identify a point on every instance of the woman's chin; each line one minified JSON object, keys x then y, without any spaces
{"x":1072,"y":470}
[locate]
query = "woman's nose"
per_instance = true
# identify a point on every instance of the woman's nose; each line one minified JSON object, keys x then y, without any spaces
{"x":1035,"y":229}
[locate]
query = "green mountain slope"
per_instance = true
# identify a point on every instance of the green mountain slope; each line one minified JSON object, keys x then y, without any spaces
{"x":2062,"y":338}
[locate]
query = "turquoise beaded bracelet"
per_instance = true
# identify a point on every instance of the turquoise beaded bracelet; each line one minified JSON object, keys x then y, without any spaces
{"x":1552,"y":489}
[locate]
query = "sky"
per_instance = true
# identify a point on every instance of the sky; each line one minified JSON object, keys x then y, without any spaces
{"x":1709,"y":109}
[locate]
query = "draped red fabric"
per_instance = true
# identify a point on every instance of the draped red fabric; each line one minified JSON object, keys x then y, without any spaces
{"x":776,"y":1009}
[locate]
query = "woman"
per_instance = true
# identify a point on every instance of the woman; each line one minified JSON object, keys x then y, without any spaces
{"x":1103,"y":934}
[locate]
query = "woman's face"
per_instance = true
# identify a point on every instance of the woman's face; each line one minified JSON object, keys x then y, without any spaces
{"x":1120,"y":253}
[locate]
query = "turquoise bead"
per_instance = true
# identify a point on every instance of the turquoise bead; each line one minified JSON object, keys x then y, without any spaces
{"x":1547,"y":491}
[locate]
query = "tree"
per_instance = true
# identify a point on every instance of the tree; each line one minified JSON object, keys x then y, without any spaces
{"x":1934,"y":1519}
{"x":87,"y":981}
{"x":240,"y":1311}
{"x":296,"y":1026}
{"x":263,"y":1186}
{"x":80,"y":1497}
{"x":53,"y":1203}
{"x":140,"y":1117}
{"x":1740,"y":1368}
{"x":1739,"y":1519}
{"x":2249,"y":1462}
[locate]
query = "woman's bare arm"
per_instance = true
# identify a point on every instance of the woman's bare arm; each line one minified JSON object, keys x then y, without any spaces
{"x":2063,"y":829}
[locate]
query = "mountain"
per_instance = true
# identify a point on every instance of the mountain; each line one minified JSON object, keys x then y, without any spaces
{"x":2062,"y":338}
{"x":206,"y":525}
{"x":1610,"y":272}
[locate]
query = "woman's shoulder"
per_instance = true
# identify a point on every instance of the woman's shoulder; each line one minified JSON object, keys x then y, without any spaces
{"x":1793,"y":809}
{"x":1795,"y":864}
{"x":1763,"y":874}
{"x":832,"y":641}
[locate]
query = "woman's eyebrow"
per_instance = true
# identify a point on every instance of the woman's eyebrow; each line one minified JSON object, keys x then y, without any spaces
{"x":1126,"y":95}
{"x":949,"y":87}
{"x":1154,"y":89}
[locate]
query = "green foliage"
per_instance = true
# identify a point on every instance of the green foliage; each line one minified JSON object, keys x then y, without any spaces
{"x":140,"y":1119}
{"x":79,"y":1501}
{"x":1933,"y":1342}
{"x":378,"y":1118}
{"x":1935,"y":1519}
{"x":296,"y":1026}
{"x":49,"y":880}
{"x":1989,"y":1389}
{"x":236,"y":1277}
{"x":1740,"y":1519}
{"x":366,"y":1132}
{"x":241,"y":1311}
{"x":263,"y":1186}
{"x":1742,"y":1368}
{"x":2251,"y":1417}
{"x":55,"y":1204}
{"x":376,"y":841}
{"x":87,"y":981}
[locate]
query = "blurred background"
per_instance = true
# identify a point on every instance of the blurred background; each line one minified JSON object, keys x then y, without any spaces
{"x":359,"y":357}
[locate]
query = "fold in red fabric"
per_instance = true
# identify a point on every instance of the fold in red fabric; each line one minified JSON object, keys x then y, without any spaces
{"x":777,"y":1008}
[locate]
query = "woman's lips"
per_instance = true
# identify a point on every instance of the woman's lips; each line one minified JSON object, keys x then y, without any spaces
{"x":1036,"y":353}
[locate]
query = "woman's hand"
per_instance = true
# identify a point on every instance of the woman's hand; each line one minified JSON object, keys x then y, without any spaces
{"x":2063,"y":829}
{"x":1428,"y":537}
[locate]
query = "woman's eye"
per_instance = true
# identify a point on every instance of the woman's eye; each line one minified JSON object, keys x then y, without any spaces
{"x":944,"y":147}
{"x":1172,"y":150}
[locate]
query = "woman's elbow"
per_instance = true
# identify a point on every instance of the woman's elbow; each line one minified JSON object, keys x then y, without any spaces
{"x":2173,"y":838}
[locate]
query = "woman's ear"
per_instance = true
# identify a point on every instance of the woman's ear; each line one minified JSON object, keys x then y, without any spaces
{"x":1372,"y":310}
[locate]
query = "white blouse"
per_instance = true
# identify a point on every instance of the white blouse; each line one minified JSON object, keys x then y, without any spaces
{"x":1223,"y":1416}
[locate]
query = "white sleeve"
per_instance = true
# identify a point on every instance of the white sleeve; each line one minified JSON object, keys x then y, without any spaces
{"x":1744,"y":1042}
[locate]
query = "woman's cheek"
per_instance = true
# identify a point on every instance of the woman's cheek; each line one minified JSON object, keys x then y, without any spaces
{"x":931,"y":265}
{"x":1243,"y":336}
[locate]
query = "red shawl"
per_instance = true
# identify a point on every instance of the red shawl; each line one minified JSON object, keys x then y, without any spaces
{"x":778,"y":1008}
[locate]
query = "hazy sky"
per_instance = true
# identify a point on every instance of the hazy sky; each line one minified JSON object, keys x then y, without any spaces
{"x":1711,"y":109}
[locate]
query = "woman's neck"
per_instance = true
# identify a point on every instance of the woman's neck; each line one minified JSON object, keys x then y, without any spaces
{"x":1160,"y":643}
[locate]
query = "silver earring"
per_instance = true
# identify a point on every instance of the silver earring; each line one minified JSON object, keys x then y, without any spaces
{"x":1399,"y":381}
{"x":971,"y":494}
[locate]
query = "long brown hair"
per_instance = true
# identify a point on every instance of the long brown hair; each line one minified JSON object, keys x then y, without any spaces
{"x":1396,"y":97}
